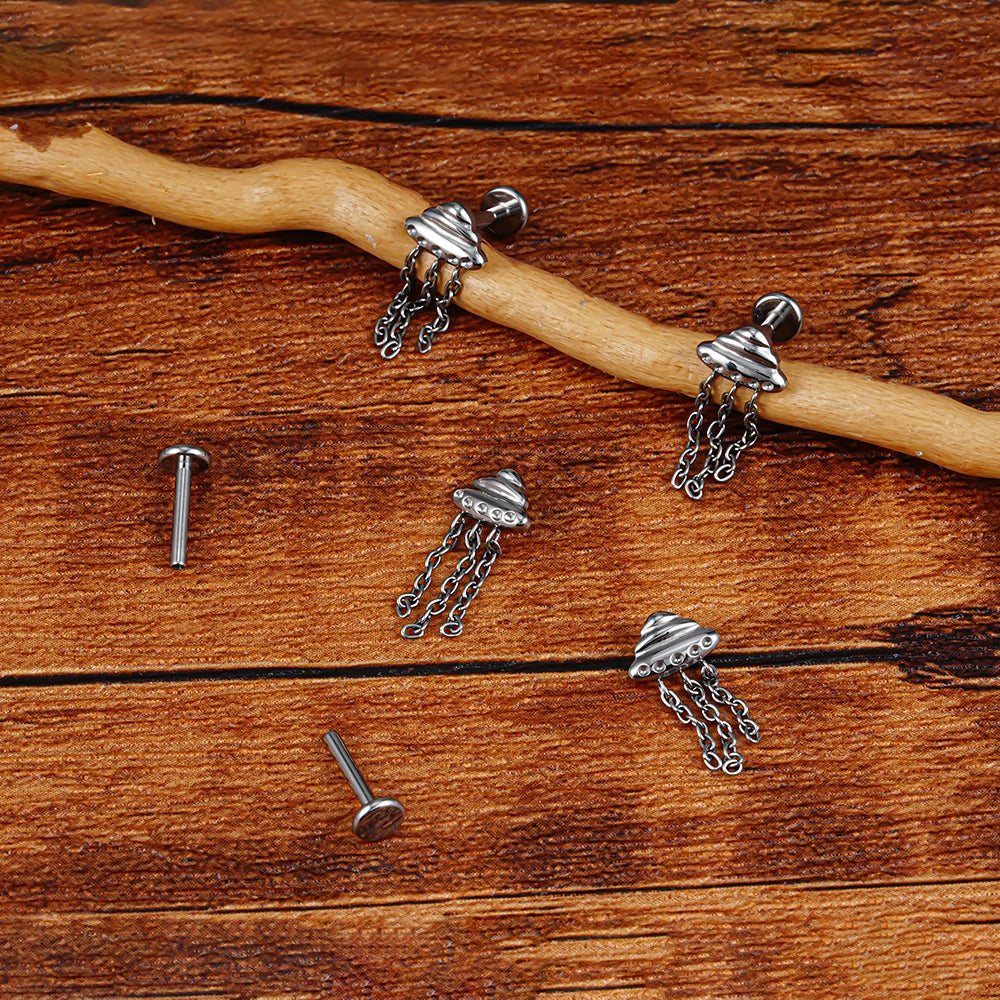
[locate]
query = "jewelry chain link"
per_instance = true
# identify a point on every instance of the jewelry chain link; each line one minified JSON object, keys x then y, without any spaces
{"x":441,"y":322}
{"x":453,"y":626}
{"x":694,"y":425}
{"x":415,"y":297}
{"x":732,"y":761}
{"x":435,"y":607}
{"x":391,"y":328}
{"x":405,"y":603}
{"x":669,"y":698}
{"x":751,"y":432}
{"x":722,"y":696}
{"x":385,"y":326}
{"x":720,"y":460}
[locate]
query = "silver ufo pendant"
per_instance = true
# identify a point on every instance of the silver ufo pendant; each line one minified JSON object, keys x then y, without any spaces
{"x":670,"y":645}
{"x":746,"y":357}
{"x":451,"y":235}
{"x":487,"y":508}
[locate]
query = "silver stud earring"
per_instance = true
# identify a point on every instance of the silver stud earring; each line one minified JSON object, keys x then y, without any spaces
{"x":451,"y":234}
{"x":669,"y":645}
{"x":490,"y":505}
{"x":746,"y":357}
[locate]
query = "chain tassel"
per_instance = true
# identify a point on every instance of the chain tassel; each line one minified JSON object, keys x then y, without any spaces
{"x":670,"y":645}
{"x":486,"y":508}
{"x":413,"y":298}
{"x":746,"y":357}
{"x":450,"y":234}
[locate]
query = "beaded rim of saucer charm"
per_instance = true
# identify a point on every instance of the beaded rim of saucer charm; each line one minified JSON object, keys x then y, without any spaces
{"x":670,"y":645}
{"x":746,"y":357}
{"x":492,"y":505}
{"x":450,"y":234}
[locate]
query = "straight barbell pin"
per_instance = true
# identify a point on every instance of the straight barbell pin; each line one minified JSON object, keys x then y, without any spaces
{"x":377,"y":818}
{"x":186,"y":461}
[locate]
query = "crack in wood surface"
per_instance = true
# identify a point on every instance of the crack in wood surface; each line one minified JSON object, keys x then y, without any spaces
{"x":445,"y":121}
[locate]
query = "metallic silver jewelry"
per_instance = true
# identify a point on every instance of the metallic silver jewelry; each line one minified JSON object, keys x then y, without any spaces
{"x":451,"y":234}
{"x":497,"y":502}
{"x":745,"y":357}
{"x":667,"y":645}
{"x":377,"y":818}
{"x":185,"y":461}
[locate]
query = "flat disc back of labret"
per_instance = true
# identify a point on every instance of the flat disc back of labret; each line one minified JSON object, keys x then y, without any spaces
{"x":783,"y":311}
{"x":379,"y":819}
{"x":200,"y":459}
{"x":515,"y":211}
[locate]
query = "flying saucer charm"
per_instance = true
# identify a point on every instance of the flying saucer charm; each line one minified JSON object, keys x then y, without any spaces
{"x":667,"y":643}
{"x":745,"y":357}
{"x":451,"y":235}
{"x":670,"y":645}
{"x":448,"y":233}
{"x":488,"y":507}
{"x":496,"y":500}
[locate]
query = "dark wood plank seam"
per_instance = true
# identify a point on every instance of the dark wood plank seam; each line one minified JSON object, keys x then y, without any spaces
{"x":423,"y":120}
{"x":784,"y":658}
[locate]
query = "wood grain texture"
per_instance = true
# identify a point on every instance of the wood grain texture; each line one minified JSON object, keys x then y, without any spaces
{"x":621,"y":64}
{"x":364,"y":208}
{"x":567,"y":781}
{"x":151,"y":333}
{"x":747,"y":941}
{"x":173,"y":825}
{"x":577,"y":835}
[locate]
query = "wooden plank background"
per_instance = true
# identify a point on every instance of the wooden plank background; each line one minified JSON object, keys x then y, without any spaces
{"x":172,"y":824}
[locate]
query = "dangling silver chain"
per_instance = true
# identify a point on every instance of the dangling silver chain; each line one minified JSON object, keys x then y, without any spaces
{"x":386,"y":327}
{"x":441,"y":322}
{"x":415,"y":297}
{"x":751,"y":432}
{"x":739,"y":708}
{"x":720,"y":460}
{"x":715,"y":433}
{"x":435,"y":607}
{"x":405,"y":603}
{"x":732,"y":761}
{"x":694,"y":485}
{"x":669,"y":698}
{"x":391,"y":329}
{"x":694,"y":425}
{"x":453,"y":626}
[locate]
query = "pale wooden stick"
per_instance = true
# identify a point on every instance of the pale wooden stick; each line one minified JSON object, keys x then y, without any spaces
{"x":367,"y":210}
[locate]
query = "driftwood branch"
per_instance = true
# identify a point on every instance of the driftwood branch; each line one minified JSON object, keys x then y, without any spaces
{"x":367,"y":210}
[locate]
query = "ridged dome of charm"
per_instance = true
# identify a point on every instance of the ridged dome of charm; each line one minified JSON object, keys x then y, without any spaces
{"x":668,"y":643}
{"x":447,"y":232}
{"x":498,"y":500}
{"x":745,"y":357}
